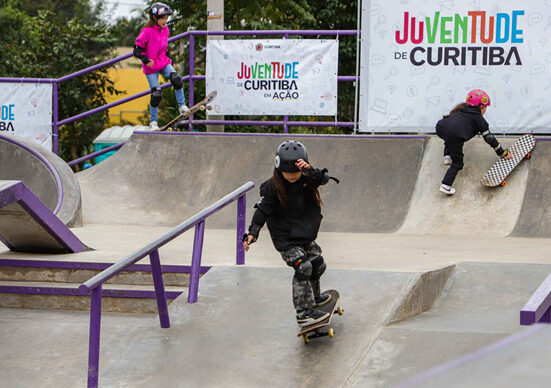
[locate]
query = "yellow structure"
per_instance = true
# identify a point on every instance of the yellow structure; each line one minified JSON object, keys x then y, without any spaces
{"x":128,"y":76}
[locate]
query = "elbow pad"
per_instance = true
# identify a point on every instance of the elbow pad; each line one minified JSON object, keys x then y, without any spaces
{"x":139,"y":53}
{"x":491,"y":140}
{"x":322,"y":175}
{"x":325,"y":177}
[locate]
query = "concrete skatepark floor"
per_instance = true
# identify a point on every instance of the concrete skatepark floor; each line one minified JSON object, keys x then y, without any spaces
{"x":242,"y":330}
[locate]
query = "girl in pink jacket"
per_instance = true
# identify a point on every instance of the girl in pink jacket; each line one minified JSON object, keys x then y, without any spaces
{"x":151,"y":49}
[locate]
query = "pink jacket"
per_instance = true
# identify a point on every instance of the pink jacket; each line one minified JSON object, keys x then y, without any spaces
{"x":154,"y":40}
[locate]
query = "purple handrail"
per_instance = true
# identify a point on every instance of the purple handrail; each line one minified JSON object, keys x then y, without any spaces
{"x":93,"y":286}
{"x":538,"y":307}
{"x":97,"y":153}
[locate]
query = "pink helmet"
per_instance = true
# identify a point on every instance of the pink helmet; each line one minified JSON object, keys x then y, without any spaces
{"x":477,"y":97}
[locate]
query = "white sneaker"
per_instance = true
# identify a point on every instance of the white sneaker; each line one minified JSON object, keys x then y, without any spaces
{"x":153,"y":126}
{"x":447,"y":189}
{"x":447,"y":160}
{"x":184,"y":110}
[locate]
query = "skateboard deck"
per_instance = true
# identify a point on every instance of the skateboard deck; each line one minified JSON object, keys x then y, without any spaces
{"x":502,"y":168}
{"x":315,"y":330}
{"x":201,"y":105}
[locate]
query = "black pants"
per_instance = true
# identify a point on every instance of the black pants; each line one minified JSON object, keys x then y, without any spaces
{"x":453,"y":146}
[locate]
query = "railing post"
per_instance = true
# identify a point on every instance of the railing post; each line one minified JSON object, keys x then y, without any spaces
{"x":241,"y":214}
{"x":285,"y":117}
{"x":94,"y":340}
{"x":159,"y":289}
{"x":55,"y":118}
{"x":196,"y":262}
{"x":191,"y":73}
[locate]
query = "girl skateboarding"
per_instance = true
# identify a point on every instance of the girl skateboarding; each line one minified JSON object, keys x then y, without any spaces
{"x":151,"y":49}
{"x":462,"y":124}
{"x":290,"y":203}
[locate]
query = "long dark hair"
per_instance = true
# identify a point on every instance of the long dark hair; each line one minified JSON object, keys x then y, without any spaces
{"x":151,"y":22}
{"x":459,"y":106}
{"x":278,"y":183}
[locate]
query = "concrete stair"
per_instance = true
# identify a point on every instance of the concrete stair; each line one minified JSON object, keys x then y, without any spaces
{"x":32,"y":284}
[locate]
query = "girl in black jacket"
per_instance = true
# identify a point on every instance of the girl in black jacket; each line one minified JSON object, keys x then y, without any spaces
{"x":463,"y":123}
{"x":290,"y":204}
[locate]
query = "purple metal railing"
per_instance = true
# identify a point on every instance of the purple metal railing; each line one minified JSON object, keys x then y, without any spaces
{"x":56,"y":123}
{"x":538,"y":307}
{"x":94,"y":285}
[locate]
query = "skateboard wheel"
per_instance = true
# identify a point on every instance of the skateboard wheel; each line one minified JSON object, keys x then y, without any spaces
{"x":340,"y":311}
{"x":202,"y":107}
{"x":502,"y":183}
{"x":305,"y":338}
{"x":209,"y":107}
{"x":528,"y":155}
{"x":331,"y":333}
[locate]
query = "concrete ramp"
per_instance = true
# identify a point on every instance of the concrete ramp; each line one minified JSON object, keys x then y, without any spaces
{"x":27,"y":225}
{"x":45,"y":174}
{"x":163,"y":178}
{"x":535,"y":217}
{"x":474,"y":209}
{"x":520,"y":360}
{"x":479,"y":306}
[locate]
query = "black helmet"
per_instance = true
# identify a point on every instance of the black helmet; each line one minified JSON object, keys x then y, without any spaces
{"x":159,"y":10}
{"x":287,"y":154}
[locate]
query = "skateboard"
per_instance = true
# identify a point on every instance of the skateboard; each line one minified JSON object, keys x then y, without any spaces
{"x":315,"y":330}
{"x":201,"y":105}
{"x":502,"y":168}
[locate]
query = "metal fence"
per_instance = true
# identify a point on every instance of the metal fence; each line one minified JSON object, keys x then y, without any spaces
{"x":191,"y":78}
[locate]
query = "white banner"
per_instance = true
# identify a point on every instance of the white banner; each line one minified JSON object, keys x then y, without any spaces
{"x":421,"y":57}
{"x":273,"y":77}
{"x":27,"y":111}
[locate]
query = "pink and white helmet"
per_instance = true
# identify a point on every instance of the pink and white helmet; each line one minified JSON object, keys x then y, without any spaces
{"x":477,"y":97}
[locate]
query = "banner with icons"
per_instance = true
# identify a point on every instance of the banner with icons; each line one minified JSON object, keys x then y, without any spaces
{"x":26,"y":111}
{"x":273,"y":77}
{"x":420,"y":58}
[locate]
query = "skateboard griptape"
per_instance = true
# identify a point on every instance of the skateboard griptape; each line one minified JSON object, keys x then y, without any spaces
{"x":503,"y":167}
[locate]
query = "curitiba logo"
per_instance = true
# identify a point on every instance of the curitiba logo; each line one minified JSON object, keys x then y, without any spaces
{"x":278,"y":80}
{"x":259,"y":47}
{"x":7,"y":117}
{"x":484,"y":33}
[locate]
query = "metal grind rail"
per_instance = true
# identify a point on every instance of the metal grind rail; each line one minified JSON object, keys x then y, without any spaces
{"x":94,"y":285}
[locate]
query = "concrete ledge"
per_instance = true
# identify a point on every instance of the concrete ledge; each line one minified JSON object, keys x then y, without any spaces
{"x":424,"y":291}
{"x":27,"y":225}
{"x":65,"y":296}
{"x":46,"y":175}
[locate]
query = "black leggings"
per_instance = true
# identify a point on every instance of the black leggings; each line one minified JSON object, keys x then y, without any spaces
{"x":453,"y":146}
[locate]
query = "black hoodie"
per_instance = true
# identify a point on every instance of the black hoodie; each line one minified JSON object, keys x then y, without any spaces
{"x":299,"y":223}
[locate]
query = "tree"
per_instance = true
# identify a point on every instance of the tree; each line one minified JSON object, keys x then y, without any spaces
{"x":53,"y":49}
{"x":125,"y":30}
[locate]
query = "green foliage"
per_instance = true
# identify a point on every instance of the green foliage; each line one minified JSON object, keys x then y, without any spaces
{"x":63,"y":9}
{"x":52,"y":49}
